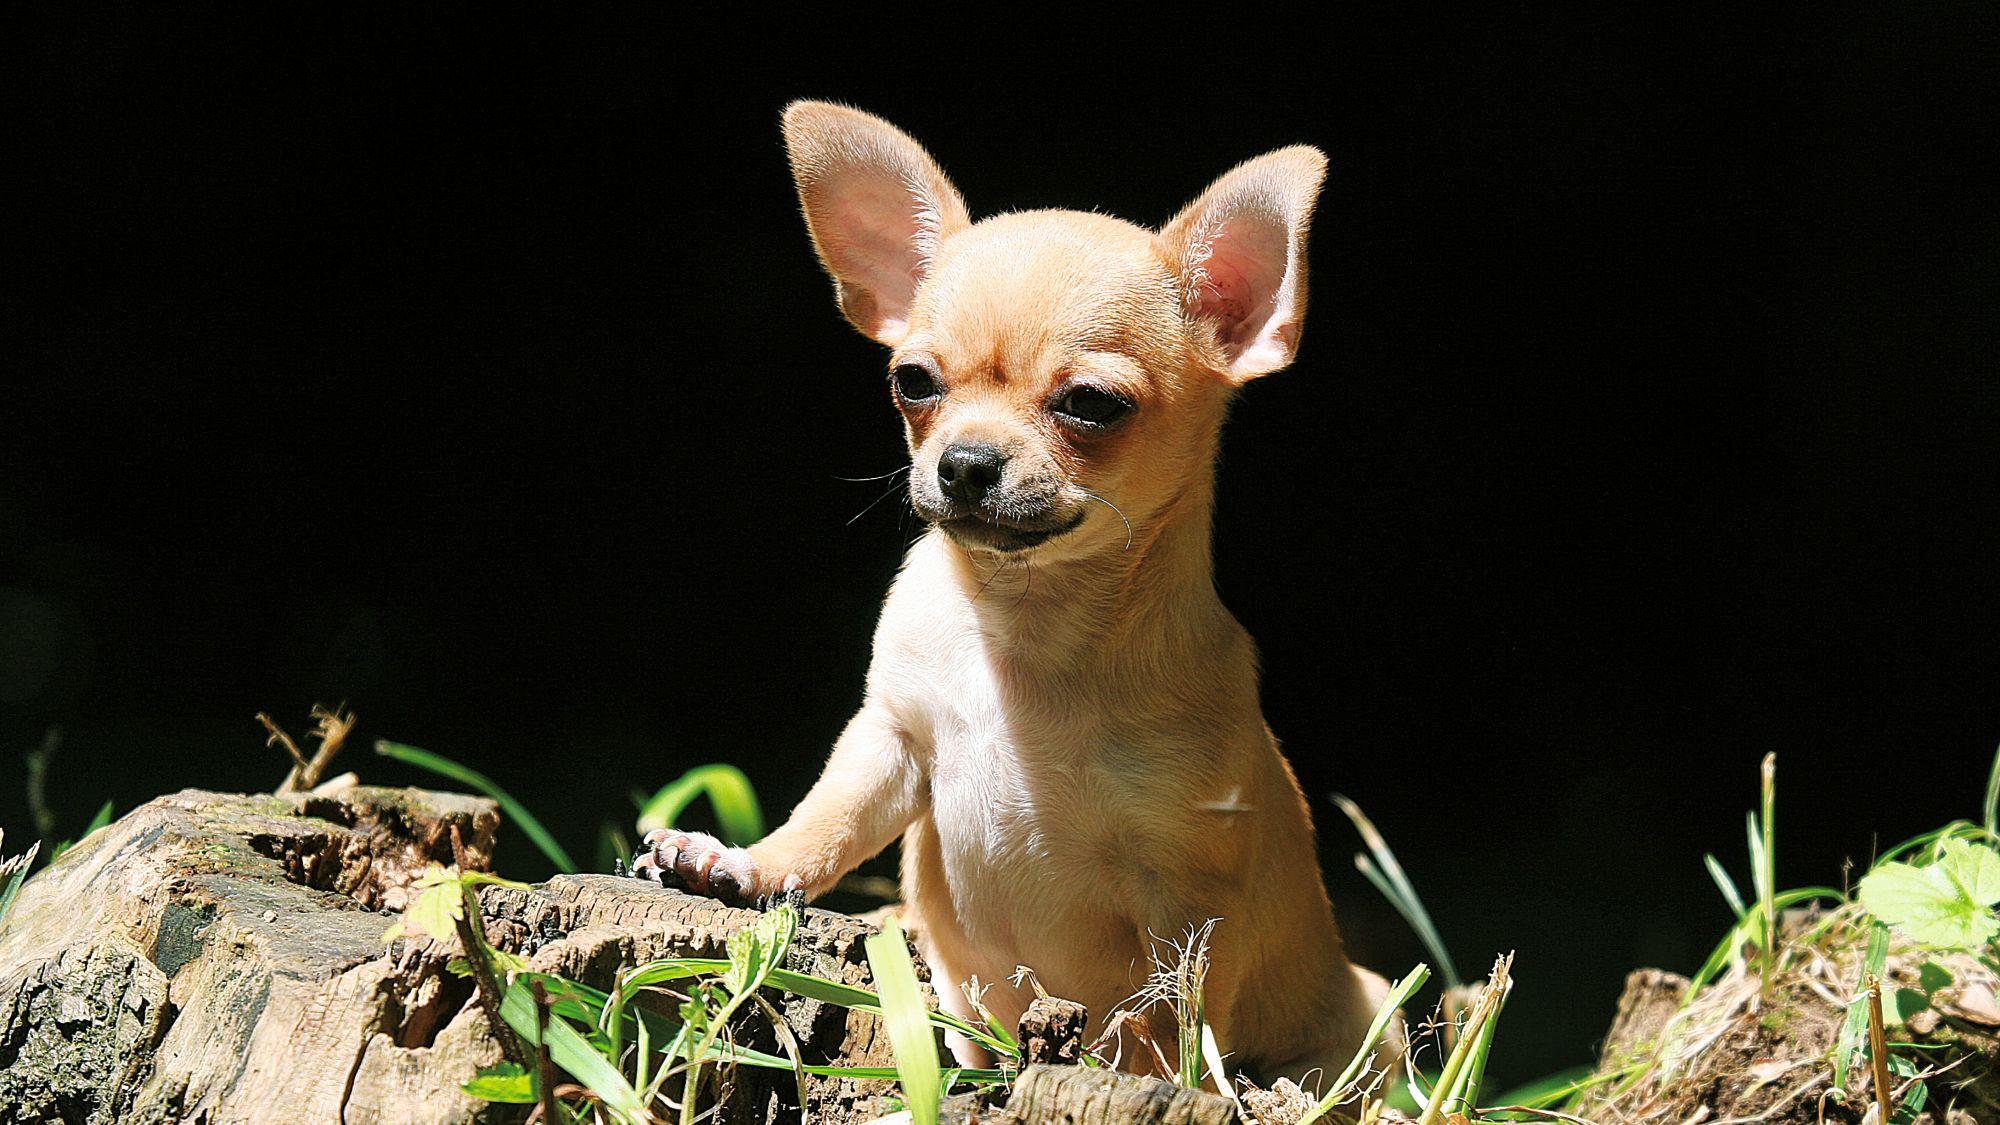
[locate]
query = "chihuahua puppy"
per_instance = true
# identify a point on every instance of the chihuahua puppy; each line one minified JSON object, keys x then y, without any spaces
{"x":1061,"y":719}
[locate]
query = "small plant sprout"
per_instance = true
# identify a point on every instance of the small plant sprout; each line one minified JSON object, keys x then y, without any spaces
{"x":1349,"y":1084}
{"x":1179,"y":982}
{"x":1763,"y":869}
{"x":1456,"y":1093}
{"x":753,"y":952}
{"x":1946,"y":903}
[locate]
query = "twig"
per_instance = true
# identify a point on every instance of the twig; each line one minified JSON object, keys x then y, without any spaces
{"x":331,"y":732}
{"x":545,"y":1072}
{"x":330,"y":727}
{"x":472,"y":936}
{"x":280,"y":738}
{"x":473,"y":939}
{"x":1878,"y":1049}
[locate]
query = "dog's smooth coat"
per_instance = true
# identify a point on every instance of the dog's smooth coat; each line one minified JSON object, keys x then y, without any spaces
{"x":1061,"y":719}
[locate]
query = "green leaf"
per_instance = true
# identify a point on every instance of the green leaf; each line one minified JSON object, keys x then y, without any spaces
{"x":1903,"y":1003}
{"x":1975,"y":868}
{"x":438,"y":907}
{"x":1932,"y":976}
{"x":1724,"y":884}
{"x":1946,"y":904}
{"x":1855,"y":1029}
{"x":757,"y":949}
{"x":502,"y":1082}
{"x":910,"y":1034}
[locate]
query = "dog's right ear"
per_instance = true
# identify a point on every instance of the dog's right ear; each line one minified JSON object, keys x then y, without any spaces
{"x":876,"y":205}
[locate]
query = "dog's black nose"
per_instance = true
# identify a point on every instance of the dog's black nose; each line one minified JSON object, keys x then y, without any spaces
{"x":968,"y":472}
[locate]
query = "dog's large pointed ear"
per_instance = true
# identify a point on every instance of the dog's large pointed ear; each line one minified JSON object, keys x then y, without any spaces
{"x":1239,"y":253}
{"x":876,"y":205}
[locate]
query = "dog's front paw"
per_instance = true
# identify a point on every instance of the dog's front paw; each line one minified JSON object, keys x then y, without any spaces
{"x":705,"y":865}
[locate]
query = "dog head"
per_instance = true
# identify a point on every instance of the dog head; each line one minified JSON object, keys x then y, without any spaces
{"x":1062,"y":376}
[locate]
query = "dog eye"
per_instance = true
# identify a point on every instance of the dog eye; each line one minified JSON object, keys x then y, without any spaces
{"x":914,"y":385}
{"x":1091,"y":406}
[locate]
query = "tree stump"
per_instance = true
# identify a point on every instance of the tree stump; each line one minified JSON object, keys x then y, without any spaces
{"x":219,"y":958}
{"x":214,"y":957}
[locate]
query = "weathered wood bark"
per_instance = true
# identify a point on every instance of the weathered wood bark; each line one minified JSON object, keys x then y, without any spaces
{"x":220,"y":958}
{"x":1069,"y":1095}
{"x":1052,"y":1031}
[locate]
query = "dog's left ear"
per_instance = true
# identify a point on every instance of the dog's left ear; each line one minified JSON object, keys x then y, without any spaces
{"x":1240,"y":254}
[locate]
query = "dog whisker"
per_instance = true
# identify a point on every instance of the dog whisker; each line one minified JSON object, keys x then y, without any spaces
{"x":894,"y":488}
{"x":1114,"y":508}
{"x":879,"y":476}
{"x":1028,"y":587}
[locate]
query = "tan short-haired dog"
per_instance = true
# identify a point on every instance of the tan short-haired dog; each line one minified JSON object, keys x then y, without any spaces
{"x":1061,"y":719}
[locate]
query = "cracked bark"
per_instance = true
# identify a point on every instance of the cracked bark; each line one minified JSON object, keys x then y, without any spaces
{"x":218,"y":958}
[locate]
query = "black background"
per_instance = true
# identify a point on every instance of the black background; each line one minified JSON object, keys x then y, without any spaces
{"x":476,"y":371}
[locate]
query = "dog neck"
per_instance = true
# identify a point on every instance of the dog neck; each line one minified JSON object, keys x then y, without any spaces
{"x":1150,"y":596}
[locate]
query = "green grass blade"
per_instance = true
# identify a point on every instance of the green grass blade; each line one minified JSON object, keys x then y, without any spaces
{"x":739,"y":817}
{"x":1724,"y":884}
{"x":1957,"y":828}
{"x":13,"y":872}
{"x":102,"y":818}
{"x":1548,"y":1090}
{"x":815,"y":988}
{"x":571,"y":1051}
{"x":1457,"y":1088}
{"x":464,"y":775}
{"x":1749,"y":929}
{"x":1856,"y":1027}
{"x":1993,"y":797}
{"x":1399,"y":994}
{"x":1467,"y":1094}
{"x":1758,"y":869}
{"x":1387,"y":876}
{"x":910,"y":1032}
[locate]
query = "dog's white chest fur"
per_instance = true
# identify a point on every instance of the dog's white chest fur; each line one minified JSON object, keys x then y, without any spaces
{"x":1052,"y":799}
{"x":1013,"y":759}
